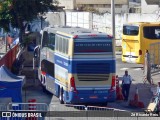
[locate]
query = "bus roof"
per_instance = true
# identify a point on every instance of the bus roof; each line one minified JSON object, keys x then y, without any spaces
{"x":75,"y":31}
{"x":144,"y":23}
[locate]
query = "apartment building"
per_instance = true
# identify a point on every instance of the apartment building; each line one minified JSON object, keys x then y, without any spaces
{"x":121,"y":6}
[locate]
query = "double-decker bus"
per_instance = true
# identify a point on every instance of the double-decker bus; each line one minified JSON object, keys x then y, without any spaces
{"x":136,"y":38}
{"x":78,"y":65}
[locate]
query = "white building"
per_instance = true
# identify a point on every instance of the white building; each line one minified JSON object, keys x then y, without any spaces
{"x":134,"y":7}
{"x":68,"y":4}
{"x":121,"y":6}
{"x":149,"y":6}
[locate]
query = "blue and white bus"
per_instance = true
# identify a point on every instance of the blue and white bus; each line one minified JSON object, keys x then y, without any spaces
{"x":78,"y":65}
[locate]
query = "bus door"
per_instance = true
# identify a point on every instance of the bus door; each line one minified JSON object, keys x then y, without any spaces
{"x":44,"y":46}
{"x":43,"y":56}
{"x":130,"y":43}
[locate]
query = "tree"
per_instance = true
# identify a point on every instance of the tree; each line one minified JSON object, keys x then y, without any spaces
{"x":18,"y":13}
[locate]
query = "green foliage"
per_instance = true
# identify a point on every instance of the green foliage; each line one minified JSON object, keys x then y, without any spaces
{"x":18,"y":12}
{"x":4,"y":14}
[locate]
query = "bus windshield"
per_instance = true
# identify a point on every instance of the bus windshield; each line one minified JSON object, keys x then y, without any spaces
{"x":93,"y":47}
{"x":130,"y":30}
{"x":151,"y":32}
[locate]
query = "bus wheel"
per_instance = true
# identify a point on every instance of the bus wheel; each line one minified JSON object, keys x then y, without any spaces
{"x":41,"y":78}
{"x":61,"y":96}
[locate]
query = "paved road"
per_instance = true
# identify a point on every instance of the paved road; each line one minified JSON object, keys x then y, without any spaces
{"x":134,"y":70}
{"x":33,"y":90}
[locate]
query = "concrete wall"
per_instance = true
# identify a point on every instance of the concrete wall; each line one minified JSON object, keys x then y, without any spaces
{"x":123,"y":2}
{"x":100,"y":22}
{"x":120,"y":9}
{"x":69,"y":4}
{"x":56,"y":18}
{"x":81,"y":19}
{"x":152,"y":1}
{"x":146,"y":8}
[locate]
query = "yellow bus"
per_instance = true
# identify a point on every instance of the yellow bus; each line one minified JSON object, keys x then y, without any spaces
{"x":136,"y":38}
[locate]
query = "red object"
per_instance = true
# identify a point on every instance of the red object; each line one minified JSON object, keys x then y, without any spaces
{"x":136,"y":97}
{"x":73,"y":86}
{"x":9,"y":57}
{"x":32,"y":107}
{"x":140,"y":52}
{"x":117,"y":80}
{"x":113,"y":81}
{"x":118,"y":90}
{"x":9,"y":40}
{"x":141,"y":104}
{"x":135,"y":102}
{"x":76,"y":36}
{"x":43,"y":73}
{"x":109,"y":36}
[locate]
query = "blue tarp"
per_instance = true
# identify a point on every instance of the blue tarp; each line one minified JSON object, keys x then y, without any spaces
{"x":10,"y":85}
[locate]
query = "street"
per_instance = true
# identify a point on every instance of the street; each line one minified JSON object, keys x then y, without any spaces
{"x":34,"y":90}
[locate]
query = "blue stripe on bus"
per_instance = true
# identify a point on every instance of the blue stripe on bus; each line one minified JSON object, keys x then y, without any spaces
{"x":87,"y":67}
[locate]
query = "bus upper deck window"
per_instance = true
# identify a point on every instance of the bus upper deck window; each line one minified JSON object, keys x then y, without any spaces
{"x":45,"y":39}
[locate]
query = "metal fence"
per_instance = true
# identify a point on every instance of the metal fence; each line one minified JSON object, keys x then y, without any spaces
{"x":3,"y":107}
{"x":17,"y":111}
{"x":155,"y":57}
{"x":82,"y":112}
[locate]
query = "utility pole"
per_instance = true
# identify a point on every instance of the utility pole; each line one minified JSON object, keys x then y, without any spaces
{"x":65,"y":19}
{"x":113,"y":18}
{"x":6,"y":43}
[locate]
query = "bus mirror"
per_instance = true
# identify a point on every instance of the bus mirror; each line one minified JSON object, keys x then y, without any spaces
{"x":36,"y":51}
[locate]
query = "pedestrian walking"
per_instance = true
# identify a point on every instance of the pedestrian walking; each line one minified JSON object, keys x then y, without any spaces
{"x":126,"y":83}
{"x":147,"y":57}
{"x":9,"y":41}
{"x":147,"y":67}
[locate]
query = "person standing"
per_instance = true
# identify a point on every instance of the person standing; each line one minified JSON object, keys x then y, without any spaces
{"x":9,"y":41}
{"x":147,"y":67}
{"x":126,"y":83}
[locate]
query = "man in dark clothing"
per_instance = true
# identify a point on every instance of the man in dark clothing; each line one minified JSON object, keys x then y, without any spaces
{"x":126,"y":82}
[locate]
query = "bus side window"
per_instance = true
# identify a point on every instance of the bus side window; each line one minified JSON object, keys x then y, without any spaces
{"x":51,"y":41}
{"x":47,"y":67}
{"x":45,"y":39}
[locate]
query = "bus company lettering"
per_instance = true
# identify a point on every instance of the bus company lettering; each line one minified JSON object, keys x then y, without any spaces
{"x":62,"y":62}
{"x":66,"y":64}
{"x":91,"y":44}
{"x":15,"y":114}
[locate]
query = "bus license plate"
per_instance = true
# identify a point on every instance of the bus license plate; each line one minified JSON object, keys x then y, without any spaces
{"x":93,"y":97}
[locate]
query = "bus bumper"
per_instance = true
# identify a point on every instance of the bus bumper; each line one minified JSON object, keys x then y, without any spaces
{"x":78,"y":98}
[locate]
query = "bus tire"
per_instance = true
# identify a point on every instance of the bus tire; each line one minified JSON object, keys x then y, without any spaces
{"x":61,"y":100}
{"x":41,"y":79}
{"x":44,"y":80}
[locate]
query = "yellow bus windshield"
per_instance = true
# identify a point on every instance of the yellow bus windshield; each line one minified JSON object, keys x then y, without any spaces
{"x":130,"y":30}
